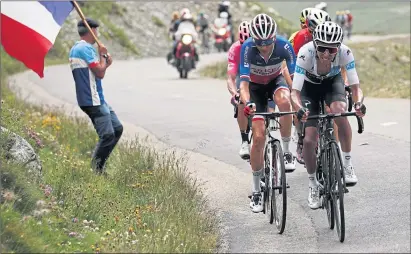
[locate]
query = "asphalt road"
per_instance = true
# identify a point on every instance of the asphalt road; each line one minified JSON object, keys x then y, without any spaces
{"x":195,"y":115}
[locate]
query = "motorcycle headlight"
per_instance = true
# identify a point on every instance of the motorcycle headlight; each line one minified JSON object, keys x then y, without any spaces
{"x":187,"y":39}
{"x":221,"y":31}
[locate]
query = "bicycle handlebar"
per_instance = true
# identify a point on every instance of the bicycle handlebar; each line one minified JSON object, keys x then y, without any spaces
{"x":360,"y":121}
{"x":274,"y":114}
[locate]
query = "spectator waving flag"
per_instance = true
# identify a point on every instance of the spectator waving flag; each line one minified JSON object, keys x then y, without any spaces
{"x":29,"y":29}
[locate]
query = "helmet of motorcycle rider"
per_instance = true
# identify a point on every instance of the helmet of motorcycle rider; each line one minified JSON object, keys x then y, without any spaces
{"x":263,"y":29}
{"x":316,"y":17}
{"x":304,"y":14}
{"x":226,"y":3}
{"x":184,"y":11}
{"x":329,"y":35}
{"x":224,"y":15}
{"x":187,"y":16}
{"x":243,"y":31}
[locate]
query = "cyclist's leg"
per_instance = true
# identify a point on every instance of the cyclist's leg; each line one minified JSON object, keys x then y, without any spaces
{"x":257,"y":95}
{"x":271,"y":105}
{"x":283,"y":101}
{"x":310,"y":96}
{"x":328,"y":110}
{"x":338,"y":104}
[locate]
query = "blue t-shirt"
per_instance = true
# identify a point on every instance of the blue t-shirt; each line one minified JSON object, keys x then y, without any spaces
{"x":88,"y":87}
{"x":254,"y":68}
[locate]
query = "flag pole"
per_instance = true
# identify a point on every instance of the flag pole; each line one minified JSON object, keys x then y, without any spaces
{"x":85,"y":22}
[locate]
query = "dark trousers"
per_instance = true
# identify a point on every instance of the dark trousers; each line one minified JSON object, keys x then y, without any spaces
{"x":109,"y":130}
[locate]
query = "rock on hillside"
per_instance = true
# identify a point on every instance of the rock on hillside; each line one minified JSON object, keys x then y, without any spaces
{"x":133,"y":29}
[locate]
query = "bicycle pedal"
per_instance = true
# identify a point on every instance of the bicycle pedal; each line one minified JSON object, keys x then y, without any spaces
{"x":346,"y":190}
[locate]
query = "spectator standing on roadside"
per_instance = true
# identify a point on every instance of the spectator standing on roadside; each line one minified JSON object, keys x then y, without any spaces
{"x":88,"y":68}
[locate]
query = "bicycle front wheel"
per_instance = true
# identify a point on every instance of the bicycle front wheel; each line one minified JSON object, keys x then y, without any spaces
{"x":279,"y":189}
{"x":337,"y":190}
{"x":324,"y":175}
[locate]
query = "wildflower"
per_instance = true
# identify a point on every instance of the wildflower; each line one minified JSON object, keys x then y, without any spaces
{"x":107,"y":232}
{"x":75,"y":220}
{"x":9,"y":196}
{"x":130,"y":229}
{"x":72,"y":234}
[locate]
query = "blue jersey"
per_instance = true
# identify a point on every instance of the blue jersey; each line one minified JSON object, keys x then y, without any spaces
{"x":254,"y":68}
{"x":89,"y":91}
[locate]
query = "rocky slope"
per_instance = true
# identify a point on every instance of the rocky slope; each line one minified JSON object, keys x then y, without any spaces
{"x":134,"y":29}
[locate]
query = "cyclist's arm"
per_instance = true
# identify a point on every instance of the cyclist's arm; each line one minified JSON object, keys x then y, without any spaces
{"x":286,"y":75}
{"x":298,"y":83}
{"x":298,"y":42}
{"x":344,"y":75}
{"x":245,"y":72}
{"x":290,"y":59}
{"x":231,"y":84}
{"x":232,"y":68}
{"x":348,"y":63}
{"x":97,"y":64}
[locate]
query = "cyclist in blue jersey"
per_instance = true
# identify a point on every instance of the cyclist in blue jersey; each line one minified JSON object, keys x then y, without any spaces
{"x":261,"y":78}
{"x":88,"y":68}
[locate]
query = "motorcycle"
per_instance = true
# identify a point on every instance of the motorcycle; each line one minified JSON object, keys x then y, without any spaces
{"x":185,"y":55}
{"x":222,"y":38}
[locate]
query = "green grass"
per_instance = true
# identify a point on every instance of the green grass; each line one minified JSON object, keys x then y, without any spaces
{"x":382,"y":72}
{"x":380,"y":68}
{"x":284,"y":25}
{"x":103,"y":11}
{"x":147,"y":203}
{"x":157,"y":21}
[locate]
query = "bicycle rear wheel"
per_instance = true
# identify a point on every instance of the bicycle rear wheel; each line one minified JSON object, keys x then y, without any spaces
{"x":337,"y":190}
{"x":279,"y":189}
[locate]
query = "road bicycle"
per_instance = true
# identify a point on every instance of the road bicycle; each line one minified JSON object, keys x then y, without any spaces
{"x":330,"y":173}
{"x":274,"y":183}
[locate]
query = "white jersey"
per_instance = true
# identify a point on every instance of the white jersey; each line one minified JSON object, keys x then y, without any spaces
{"x":306,"y":66}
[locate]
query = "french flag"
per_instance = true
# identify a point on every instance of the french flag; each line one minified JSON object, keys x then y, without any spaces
{"x":29,"y":29}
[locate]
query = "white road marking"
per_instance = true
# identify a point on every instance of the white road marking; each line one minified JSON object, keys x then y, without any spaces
{"x":388,"y":123}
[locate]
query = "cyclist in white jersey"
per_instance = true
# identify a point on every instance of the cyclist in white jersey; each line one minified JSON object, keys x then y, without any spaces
{"x":318,"y":75}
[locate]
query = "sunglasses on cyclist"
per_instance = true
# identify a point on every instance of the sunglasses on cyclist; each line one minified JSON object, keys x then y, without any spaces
{"x":260,"y":43}
{"x":331,"y":50}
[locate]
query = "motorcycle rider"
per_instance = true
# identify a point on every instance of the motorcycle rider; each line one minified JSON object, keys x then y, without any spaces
{"x":173,"y":24}
{"x":202,"y":26}
{"x":185,"y":26}
{"x":224,"y":6}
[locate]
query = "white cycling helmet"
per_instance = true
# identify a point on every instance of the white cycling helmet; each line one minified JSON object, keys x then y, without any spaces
{"x":329,"y":34}
{"x":263,"y":27}
{"x":226,"y":3}
{"x":316,"y":17}
{"x":304,"y":14}
{"x":244,"y":31}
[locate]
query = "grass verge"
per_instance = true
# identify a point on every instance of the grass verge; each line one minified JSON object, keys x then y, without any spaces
{"x":383,"y":68}
{"x":148,"y":203}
